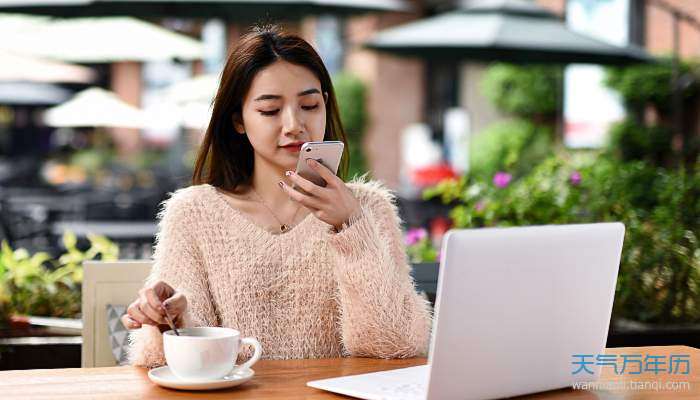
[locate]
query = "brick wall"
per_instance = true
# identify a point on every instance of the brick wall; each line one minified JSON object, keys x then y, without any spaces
{"x":557,"y":6}
{"x":395,"y":93}
{"x":659,"y":33}
{"x":659,"y":30}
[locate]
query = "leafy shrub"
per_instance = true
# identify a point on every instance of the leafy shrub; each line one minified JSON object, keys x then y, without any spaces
{"x":419,"y":246}
{"x":630,"y":141}
{"x":525,"y":91}
{"x":37,"y":285}
{"x":351,"y":95}
{"x":516,"y":145}
{"x":646,"y":88}
{"x":659,"y":278}
{"x":650,"y":84}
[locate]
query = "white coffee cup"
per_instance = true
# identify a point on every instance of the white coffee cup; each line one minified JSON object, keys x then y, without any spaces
{"x":206,"y":353}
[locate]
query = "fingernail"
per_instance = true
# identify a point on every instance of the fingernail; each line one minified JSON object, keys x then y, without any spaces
{"x":281,"y":184}
{"x":289,"y":173}
{"x":310,"y":161}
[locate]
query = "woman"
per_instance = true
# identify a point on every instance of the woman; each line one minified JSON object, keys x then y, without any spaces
{"x":319,"y":274}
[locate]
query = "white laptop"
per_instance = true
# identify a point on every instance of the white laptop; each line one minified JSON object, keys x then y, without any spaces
{"x":513,"y":308}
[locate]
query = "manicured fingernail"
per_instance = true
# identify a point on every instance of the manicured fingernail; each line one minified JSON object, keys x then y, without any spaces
{"x":289,"y":173}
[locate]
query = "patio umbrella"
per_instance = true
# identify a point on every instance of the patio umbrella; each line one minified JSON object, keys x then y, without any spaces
{"x":14,"y":22}
{"x":200,"y":88}
{"x":32,"y":93}
{"x":501,"y":30}
{"x":188,"y":103}
{"x":19,"y":67}
{"x":227,"y":9}
{"x":98,"y":40}
{"x":95,"y":107}
{"x":193,"y":99}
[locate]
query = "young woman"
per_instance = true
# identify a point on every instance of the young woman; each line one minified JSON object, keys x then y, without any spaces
{"x":310,"y":275}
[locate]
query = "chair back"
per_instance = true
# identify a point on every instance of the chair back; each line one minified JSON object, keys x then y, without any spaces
{"x":107,"y":283}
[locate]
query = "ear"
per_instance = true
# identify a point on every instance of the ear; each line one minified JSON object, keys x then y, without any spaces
{"x":238,"y":124}
{"x":325,"y":97}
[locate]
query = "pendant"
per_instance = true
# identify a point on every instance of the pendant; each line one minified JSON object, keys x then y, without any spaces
{"x":283,"y":228}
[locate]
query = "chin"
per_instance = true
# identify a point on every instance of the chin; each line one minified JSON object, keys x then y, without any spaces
{"x":289,"y":161}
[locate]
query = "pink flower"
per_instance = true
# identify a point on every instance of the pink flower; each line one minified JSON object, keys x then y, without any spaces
{"x":479,"y":206}
{"x":415,"y":235}
{"x":575,"y":178}
{"x":502,"y":179}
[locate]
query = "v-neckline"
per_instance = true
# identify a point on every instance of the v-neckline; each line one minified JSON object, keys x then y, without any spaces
{"x":249,"y":221}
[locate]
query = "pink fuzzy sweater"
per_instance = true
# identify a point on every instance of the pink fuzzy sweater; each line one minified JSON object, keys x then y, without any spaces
{"x":307,"y":293}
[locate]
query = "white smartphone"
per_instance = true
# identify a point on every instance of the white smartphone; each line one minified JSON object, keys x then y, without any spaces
{"x":327,"y":153}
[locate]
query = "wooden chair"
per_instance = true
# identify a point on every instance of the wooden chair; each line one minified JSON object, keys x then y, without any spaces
{"x":104,"y":283}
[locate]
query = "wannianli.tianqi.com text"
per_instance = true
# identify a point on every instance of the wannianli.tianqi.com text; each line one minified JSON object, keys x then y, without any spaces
{"x":633,"y":385}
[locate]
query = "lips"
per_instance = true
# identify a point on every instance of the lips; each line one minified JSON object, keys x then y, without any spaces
{"x":293,"y":146}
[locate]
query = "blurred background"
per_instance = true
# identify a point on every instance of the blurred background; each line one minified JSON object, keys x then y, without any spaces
{"x":477,"y":113}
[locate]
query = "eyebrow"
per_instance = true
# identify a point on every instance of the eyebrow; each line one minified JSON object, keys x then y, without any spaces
{"x":276,"y":96}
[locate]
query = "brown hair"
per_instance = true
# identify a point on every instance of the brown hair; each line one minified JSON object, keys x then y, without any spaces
{"x":225,"y":158}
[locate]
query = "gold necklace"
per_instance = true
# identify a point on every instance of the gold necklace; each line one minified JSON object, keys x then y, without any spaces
{"x":283,"y":227}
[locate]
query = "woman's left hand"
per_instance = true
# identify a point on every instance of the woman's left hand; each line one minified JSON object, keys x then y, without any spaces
{"x":334,"y":204}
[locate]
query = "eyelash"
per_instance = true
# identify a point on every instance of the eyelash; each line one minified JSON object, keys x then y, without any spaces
{"x":273,"y":112}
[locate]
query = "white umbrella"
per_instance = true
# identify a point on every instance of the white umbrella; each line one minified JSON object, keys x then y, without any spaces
{"x":192,"y":100}
{"x":11,"y":23}
{"x":32,"y":93}
{"x":95,"y":107}
{"x":18,"y":67}
{"x":195,"y":115}
{"x":99,"y":40}
{"x":201,"y":88}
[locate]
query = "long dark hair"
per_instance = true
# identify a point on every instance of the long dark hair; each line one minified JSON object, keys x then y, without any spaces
{"x":225,"y":158}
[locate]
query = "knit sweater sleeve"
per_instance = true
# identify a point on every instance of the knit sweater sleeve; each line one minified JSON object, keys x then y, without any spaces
{"x":382,"y":315}
{"x":177,"y":260}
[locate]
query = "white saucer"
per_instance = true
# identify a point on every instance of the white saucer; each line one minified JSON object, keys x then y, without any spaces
{"x":164,"y":377}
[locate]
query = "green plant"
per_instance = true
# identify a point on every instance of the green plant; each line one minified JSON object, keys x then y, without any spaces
{"x":659,"y":278}
{"x":640,"y":85}
{"x":630,"y":141}
{"x":515,"y":145}
{"x":351,"y":95}
{"x":659,"y":269}
{"x":529,"y":93}
{"x":5,"y":305}
{"x":92,"y":159}
{"x":646,"y":88}
{"x":526,"y":91}
{"x":419,"y":246}
{"x":72,"y":260}
{"x":38,"y":285}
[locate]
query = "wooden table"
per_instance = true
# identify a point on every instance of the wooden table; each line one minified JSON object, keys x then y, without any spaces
{"x":287,"y":379}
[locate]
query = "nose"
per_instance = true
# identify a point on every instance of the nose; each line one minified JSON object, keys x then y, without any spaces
{"x":292,"y":122}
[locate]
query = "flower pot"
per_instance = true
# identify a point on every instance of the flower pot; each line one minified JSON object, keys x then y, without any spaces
{"x":425,"y":276}
{"x":626,"y":333}
{"x":24,"y":345}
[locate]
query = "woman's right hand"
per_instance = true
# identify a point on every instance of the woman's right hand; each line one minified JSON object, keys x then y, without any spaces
{"x":149,"y":307}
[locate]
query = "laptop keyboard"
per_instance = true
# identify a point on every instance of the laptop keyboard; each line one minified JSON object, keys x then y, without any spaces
{"x":399,"y":384}
{"x":403,"y":391}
